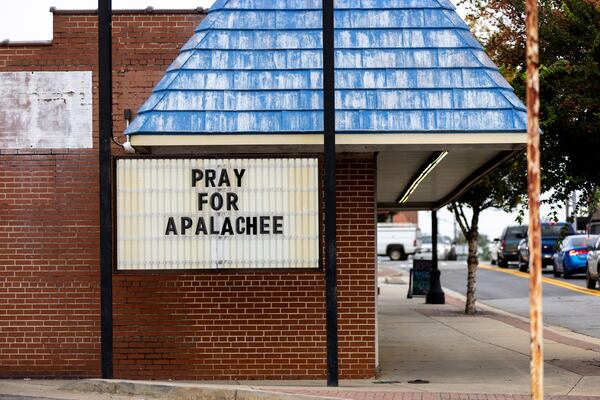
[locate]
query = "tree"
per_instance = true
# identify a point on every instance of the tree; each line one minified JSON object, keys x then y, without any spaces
{"x":570,"y":107}
{"x":504,"y":189}
{"x":569,"y":81}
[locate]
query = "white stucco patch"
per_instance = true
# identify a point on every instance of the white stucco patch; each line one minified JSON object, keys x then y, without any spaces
{"x":46,"y":110}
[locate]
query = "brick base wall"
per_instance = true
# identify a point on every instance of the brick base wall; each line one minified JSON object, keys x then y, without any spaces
{"x":198,"y":325}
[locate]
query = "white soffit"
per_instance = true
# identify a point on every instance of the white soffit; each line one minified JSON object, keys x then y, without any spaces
{"x":395,"y":171}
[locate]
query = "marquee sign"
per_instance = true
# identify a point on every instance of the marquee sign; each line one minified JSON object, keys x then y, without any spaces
{"x":217,"y":213}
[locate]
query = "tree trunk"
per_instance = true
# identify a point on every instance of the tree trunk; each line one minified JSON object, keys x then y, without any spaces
{"x":472,"y":263}
{"x":471,"y":233}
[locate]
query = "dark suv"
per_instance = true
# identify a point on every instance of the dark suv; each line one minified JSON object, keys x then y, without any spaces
{"x":509,"y":243}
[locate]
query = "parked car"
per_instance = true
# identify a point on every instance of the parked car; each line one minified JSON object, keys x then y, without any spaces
{"x":523,"y":249}
{"x":509,"y":242}
{"x":553,"y":234}
{"x":446,"y":249}
{"x":572,"y":256}
{"x":592,"y":270}
{"x":593,"y":228}
{"x":397,"y":240}
{"x":494,"y":248}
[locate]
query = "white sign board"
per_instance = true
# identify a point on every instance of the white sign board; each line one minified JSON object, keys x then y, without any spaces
{"x":50,"y":109}
{"x":217,"y":213}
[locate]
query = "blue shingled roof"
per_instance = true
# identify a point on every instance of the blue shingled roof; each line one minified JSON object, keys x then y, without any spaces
{"x":254,"y":66}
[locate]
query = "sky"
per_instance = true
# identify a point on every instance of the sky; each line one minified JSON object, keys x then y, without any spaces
{"x":31,"y":20}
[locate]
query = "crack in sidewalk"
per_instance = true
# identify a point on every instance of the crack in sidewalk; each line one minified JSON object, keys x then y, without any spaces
{"x":575,"y":385}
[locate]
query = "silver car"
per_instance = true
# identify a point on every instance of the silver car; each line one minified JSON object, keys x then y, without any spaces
{"x":591,"y":273}
{"x":446,"y":249}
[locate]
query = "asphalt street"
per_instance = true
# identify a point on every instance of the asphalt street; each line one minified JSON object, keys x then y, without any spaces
{"x":567,"y":302}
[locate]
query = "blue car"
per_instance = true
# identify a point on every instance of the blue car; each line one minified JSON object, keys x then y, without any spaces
{"x":553,"y":234}
{"x":571,"y":258}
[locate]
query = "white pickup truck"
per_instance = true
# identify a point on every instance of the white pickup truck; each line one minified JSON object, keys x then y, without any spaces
{"x":397,"y":240}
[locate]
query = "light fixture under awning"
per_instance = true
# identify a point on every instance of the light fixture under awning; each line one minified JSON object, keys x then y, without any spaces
{"x":421,"y":175}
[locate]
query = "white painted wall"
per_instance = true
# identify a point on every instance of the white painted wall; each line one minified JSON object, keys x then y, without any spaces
{"x":46,"y":110}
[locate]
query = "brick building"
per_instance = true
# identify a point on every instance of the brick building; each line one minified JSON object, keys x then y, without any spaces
{"x":49,"y":255}
{"x":264,"y":323}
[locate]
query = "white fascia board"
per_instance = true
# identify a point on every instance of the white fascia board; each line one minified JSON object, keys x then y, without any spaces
{"x":341,"y":139}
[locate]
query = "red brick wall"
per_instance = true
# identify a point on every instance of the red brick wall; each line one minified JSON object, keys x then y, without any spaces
{"x":49,"y":315}
{"x":356,"y":235}
{"x":49,"y":257}
{"x":406,"y":216}
{"x":197,"y":325}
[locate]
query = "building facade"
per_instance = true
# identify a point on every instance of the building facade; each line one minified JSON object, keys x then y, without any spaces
{"x":181,"y":325}
{"x":422,"y":113}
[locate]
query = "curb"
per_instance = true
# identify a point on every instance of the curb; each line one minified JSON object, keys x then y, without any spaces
{"x":180,"y":391}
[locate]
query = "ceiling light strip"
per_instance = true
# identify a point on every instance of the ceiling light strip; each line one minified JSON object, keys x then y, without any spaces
{"x":426,"y":171}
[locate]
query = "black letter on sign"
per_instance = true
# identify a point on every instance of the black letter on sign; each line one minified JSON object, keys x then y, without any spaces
{"x":211,"y":174}
{"x":251,"y":223}
{"x":224,"y":178}
{"x":216,"y":201}
{"x":196,"y":176}
{"x":201,"y":227}
{"x":278,"y":224}
{"x":171,"y":227}
{"x":232,"y":200}
{"x":264,"y":225}
{"x":239,"y":226}
{"x":213,"y":228}
{"x":186,"y":223}
{"x":227,"y":228}
{"x":238,"y":176}
{"x":202,"y":199}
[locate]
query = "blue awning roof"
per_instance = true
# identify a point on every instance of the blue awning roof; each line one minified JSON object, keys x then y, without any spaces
{"x":254,"y":66}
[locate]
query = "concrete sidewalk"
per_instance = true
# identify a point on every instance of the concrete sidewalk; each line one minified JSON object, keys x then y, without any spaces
{"x":484,"y":353}
{"x":444,"y":353}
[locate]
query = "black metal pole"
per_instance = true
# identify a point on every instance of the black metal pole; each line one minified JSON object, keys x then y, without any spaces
{"x":435,"y":295}
{"x":330,"y":196}
{"x":105,"y":120}
{"x":434,"y":239}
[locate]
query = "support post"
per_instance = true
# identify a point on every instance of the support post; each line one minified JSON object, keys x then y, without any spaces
{"x":533,"y":192}
{"x":330,"y":195}
{"x":436,"y":294}
{"x":105,"y":121}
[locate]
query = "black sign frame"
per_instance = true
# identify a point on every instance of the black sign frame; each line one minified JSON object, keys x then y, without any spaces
{"x":319,"y":269}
